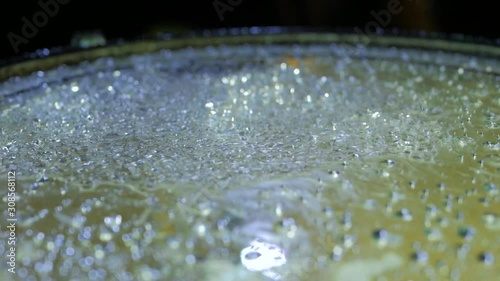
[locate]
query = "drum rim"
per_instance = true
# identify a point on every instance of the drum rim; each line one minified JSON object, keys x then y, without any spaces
{"x":457,"y":43}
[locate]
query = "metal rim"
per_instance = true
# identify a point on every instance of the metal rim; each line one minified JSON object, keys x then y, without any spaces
{"x":22,"y":66}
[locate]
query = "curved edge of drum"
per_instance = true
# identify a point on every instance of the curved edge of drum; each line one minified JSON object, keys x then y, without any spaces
{"x":252,"y":35}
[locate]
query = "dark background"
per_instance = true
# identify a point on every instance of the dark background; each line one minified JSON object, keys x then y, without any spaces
{"x":121,"y":19}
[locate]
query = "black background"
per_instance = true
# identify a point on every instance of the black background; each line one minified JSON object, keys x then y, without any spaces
{"x":120,"y":19}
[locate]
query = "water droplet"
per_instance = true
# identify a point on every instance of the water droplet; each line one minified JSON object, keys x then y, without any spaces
{"x":288,"y":222}
{"x":491,"y":188}
{"x":190,"y":259}
{"x":405,"y":214}
{"x":448,"y":205}
{"x":43,"y":179}
{"x":347,"y":220}
{"x":443,"y":222}
{"x":381,"y":235}
{"x":348,"y":240}
{"x":105,"y":236}
{"x":201,"y":230}
{"x":466,"y":232}
{"x":337,"y":253}
{"x":370,"y":204}
{"x":113,"y":222}
{"x":396,"y":196}
{"x":487,"y":258}
{"x":420,"y":256}
{"x":328,"y":211}
{"x":334,"y":174}
{"x":390,"y":163}
{"x":425,"y":194}
{"x":174,"y":242}
{"x":413,"y":184}
{"x":434,"y":234}
{"x":279,"y":210}
{"x":431,"y":210}
{"x":491,"y":221}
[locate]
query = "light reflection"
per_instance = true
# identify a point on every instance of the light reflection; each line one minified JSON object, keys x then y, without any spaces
{"x":261,"y":256}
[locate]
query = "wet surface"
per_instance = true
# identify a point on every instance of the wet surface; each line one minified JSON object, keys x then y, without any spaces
{"x":360,"y":163}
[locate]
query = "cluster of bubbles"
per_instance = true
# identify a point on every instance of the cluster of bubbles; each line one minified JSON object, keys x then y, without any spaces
{"x":334,"y":157}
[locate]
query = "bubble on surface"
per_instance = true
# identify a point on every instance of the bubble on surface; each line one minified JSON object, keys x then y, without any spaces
{"x":165,"y":165}
{"x":261,"y":256}
{"x":421,"y":256}
{"x":487,"y":258}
